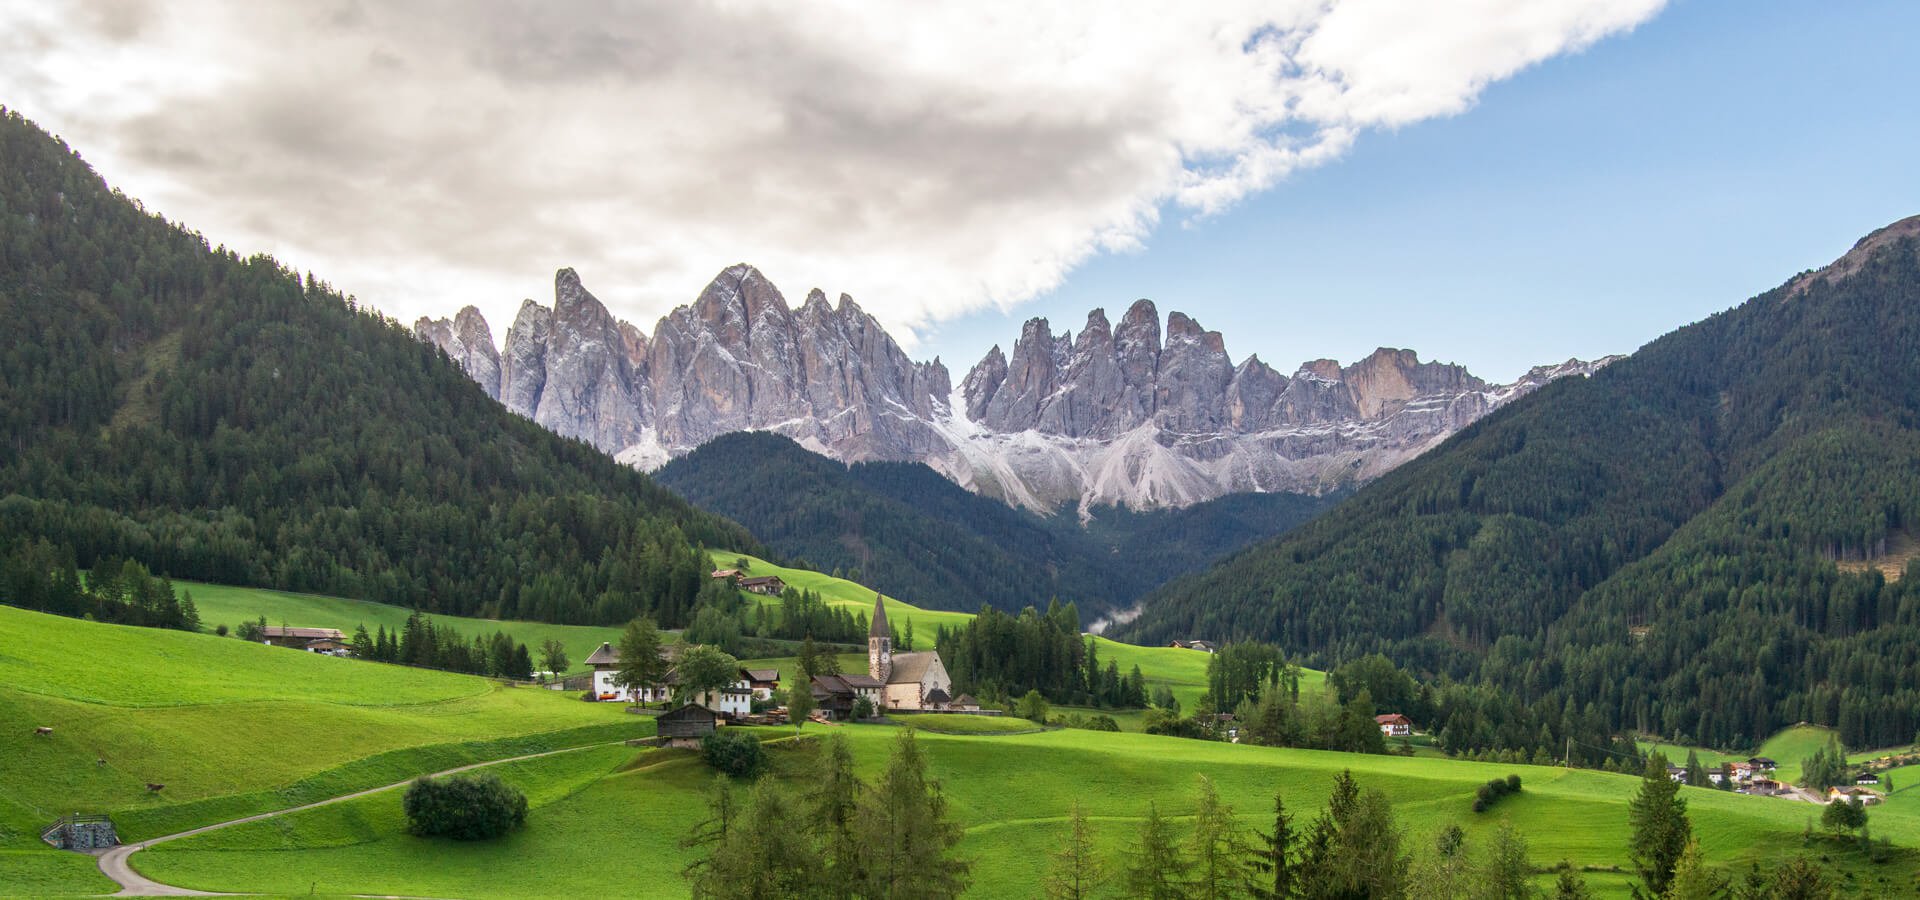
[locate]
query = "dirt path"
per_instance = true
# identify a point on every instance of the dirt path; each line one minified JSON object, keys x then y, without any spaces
{"x":114,"y":862}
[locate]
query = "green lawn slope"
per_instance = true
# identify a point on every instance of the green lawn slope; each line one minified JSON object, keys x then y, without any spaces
{"x":231,"y":728}
{"x":1185,"y":671}
{"x":615,"y":834}
{"x":221,"y":604}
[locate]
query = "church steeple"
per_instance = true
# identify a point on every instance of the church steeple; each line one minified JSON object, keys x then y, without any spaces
{"x":879,"y":643}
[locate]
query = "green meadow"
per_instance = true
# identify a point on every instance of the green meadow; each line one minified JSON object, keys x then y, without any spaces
{"x":1185,"y":671}
{"x":229,"y":729}
{"x":605,"y":823}
{"x":227,"y":605}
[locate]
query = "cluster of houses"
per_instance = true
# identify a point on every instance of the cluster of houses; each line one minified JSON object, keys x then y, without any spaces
{"x":1750,"y":776}
{"x":1202,"y":646}
{"x":916,"y":682}
{"x":328,"y":641}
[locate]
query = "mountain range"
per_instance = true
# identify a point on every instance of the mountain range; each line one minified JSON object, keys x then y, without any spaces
{"x":1112,"y":416}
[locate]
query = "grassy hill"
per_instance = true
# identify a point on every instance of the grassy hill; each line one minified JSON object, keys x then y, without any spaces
{"x":221,"y":604}
{"x":1185,"y":671}
{"x":232,"y":728}
{"x":1010,"y":792}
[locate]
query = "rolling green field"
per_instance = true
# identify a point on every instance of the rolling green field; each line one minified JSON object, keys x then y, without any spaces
{"x":1185,"y":671}
{"x":1789,"y":747}
{"x":231,"y":728}
{"x":221,"y":604}
{"x":1010,"y":792}
{"x":954,"y":723}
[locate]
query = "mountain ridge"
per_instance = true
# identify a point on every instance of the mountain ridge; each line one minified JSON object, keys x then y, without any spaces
{"x":1107,"y":416}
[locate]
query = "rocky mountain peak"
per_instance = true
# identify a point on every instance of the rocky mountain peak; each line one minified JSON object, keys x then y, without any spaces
{"x":1105,"y":415}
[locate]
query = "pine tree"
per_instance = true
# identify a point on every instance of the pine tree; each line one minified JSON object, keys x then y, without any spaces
{"x":1274,"y":864}
{"x":1696,"y":775}
{"x":1216,"y":847}
{"x":1661,"y":830}
{"x":833,"y":805}
{"x":1692,"y":880}
{"x":905,"y":832}
{"x":1569,"y":885}
{"x":1505,"y":874}
{"x":363,"y":644}
{"x":1155,"y":870}
{"x":1076,"y":872}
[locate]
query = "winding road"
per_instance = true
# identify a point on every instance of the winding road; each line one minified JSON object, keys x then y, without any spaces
{"x":114,"y":861}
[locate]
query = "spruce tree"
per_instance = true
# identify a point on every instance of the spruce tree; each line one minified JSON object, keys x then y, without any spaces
{"x":640,"y":664}
{"x":1274,"y":864}
{"x":1569,"y":885}
{"x":1661,"y":830}
{"x":1692,"y":880}
{"x":1505,"y":874}
{"x":833,"y":804}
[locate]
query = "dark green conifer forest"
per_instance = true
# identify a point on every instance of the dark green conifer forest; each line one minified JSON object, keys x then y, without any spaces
{"x":223,"y":418}
{"x":906,"y":530}
{"x":1673,"y":545}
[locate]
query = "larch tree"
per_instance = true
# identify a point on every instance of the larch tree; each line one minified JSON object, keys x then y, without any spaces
{"x":1154,"y":869}
{"x":1076,"y":872}
{"x":905,"y":832}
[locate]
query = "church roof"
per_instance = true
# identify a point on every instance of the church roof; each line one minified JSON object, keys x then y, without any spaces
{"x":879,"y":627}
{"x":911,"y":668}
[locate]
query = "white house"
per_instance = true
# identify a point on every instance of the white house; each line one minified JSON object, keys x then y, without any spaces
{"x":736,"y":699}
{"x":1394,"y":725}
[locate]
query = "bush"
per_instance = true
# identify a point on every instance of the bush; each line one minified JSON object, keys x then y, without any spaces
{"x":735,"y":753}
{"x":1491,"y":792}
{"x":862,"y":708}
{"x":464,"y":807}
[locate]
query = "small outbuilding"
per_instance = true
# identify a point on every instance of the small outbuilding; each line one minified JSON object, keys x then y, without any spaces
{"x":770,"y":585}
{"x":686,"y":726}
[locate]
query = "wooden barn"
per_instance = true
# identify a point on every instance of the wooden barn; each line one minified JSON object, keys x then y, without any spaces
{"x":684,"y":727}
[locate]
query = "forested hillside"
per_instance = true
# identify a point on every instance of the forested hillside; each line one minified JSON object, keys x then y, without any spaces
{"x":906,"y":530}
{"x":226,"y":419}
{"x":1674,"y":540}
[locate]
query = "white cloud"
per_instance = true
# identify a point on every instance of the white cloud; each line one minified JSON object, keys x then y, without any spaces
{"x":928,"y":159}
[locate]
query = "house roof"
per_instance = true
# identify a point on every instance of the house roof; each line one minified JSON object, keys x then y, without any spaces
{"x":281,"y":631}
{"x":762,"y":674}
{"x":1393,"y":719}
{"x":845,"y":684}
{"x":603,"y":655}
{"x":725,"y":573}
{"x":760,"y":580}
{"x":879,"y":628}
{"x":965,"y":700}
{"x":911,"y":668}
{"x":937,"y":696}
{"x":326,"y":644}
{"x":1762,"y":761}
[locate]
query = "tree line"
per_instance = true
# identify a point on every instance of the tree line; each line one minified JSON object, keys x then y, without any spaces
{"x":227,"y":419}
{"x":422,"y":643}
{"x":996,"y":657}
{"x":35,"y":575}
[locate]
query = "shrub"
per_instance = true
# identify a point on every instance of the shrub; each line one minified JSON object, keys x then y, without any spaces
{"x":862,"y":708}
{"x":464,"y":807}
{"x":735,"y":753}
{"x":1491,"y":792}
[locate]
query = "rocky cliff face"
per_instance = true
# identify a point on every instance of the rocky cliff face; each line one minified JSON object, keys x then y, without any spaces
{"x":1113,"y":415}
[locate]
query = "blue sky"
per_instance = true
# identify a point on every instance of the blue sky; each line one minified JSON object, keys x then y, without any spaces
{"x":1583,"y":207}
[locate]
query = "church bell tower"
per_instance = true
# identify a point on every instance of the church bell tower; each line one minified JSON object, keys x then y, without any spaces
{"x":879,"y":643}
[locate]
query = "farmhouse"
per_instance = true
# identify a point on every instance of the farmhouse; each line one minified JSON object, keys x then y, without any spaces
{"x":719,"y":574}
{"x":835,"y":695}
{"x":964,"y":703}
{"x":1394,"y":725}
{"x":684,"y":727}
{"x":736,"y":699}
{"x":330,"y":647}
{"x":1202,"y":646}
{"x":301,"y":638}
{"x":770,"y":585}
{"x":910,"y":678}
{"x":764,"y":682}
{"x":1866,"y":796}
{"x":1867,"y":779}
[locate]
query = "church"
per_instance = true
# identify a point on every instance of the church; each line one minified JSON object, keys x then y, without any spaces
{"x":909,"y":680}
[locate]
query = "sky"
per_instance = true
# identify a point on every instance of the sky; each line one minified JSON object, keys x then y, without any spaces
{"x":1499,"y":183}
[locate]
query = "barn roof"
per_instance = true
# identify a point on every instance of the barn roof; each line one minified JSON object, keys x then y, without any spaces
{"x":604,"y":655}
{"x":312,"y":634}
